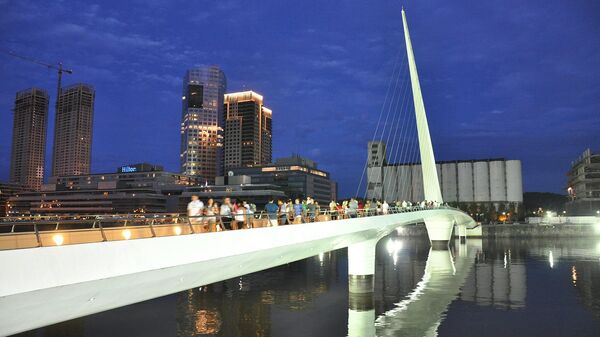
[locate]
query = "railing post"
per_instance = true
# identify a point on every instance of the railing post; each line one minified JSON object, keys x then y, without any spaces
{"x":221,"y":223}
{"x":152,"y":228}
{"x":37,"y":235}
{"x":190,"y":224}
{"x":101,"y":230}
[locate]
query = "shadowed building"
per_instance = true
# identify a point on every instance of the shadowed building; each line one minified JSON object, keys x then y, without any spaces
{"x":29,"y":138}
{"x":72,"y":151}
{"x":247,"y":130}
{"x":296,"y":176}
{"x":202,"y":122}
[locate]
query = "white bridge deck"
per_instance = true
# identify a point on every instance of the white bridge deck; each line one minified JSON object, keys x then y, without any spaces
{"x":52,"y":284}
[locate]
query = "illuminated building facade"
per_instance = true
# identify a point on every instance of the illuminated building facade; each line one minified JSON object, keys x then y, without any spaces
{"x":137,"y":188}
{"x":584,"y":185}
{"x":29,"y":138}
{"x":72,"y":152}
{"x":202,"y":122}
{"x":6,"y":192}
{"x":297,"y":177}
{"x":248,"y":130}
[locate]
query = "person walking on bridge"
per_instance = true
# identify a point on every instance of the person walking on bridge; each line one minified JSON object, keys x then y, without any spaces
{"x":311,"y":209}
{"x":211,"y":220}
{"x":352,"y":208}
{"x":297,"y":211}
{"x":271,"y":208}
{"x":333,"y":209}
{"x":385,"y":207}
{"x":282,"y":211}
{"x":225,"y":212}
{"x":195,"y":209}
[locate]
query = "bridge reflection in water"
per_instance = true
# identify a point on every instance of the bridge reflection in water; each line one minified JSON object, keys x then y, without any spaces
{"x":421,"y":312}
{"x":418,"y":313}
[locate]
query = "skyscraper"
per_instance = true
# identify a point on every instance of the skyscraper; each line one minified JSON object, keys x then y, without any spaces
{"x":72,"y":151}
{"x":247,"y":130}
{"x":29,"y":138}
{"x":202,"y":122}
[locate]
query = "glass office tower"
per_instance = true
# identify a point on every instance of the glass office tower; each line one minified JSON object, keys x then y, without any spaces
{"x":202,"y":122}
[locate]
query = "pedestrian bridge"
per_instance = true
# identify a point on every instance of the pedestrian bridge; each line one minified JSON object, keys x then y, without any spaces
{"x":55,"y":280}
{"x":50,"y":284}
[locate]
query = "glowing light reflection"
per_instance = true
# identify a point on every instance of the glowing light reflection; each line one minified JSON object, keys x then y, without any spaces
{"x":177,"y":230}
{"x":58,"y":239}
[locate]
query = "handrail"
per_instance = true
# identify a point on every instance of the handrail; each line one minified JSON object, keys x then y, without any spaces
{"x":66,"y":231}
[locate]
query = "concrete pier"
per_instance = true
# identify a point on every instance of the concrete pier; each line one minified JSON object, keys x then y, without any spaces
{"x":361,"y":267}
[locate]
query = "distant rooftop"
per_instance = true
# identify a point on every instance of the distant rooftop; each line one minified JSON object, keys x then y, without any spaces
{"x":296,"y":159}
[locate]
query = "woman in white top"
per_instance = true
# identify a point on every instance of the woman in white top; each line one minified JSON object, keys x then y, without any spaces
{"x":384,"y":207}
{"x":240,"y":216}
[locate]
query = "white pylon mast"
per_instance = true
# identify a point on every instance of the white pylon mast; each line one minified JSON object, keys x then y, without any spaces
{"x":431,"y":184}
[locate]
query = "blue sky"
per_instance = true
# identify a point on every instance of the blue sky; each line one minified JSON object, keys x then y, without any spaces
{"x":514,"y":79}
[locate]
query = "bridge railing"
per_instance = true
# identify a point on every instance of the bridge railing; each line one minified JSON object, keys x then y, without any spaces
{"x":43,"y":231}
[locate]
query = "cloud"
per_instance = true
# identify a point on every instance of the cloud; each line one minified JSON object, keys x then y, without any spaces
{"x":91,"y":36}
{"x":333,"y":48}
{"x":316,"y":152}
{"x":327,"y":63}
{"x":168,"y":79}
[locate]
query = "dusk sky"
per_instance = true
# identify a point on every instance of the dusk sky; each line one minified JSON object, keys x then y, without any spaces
{"x":512,"y":79}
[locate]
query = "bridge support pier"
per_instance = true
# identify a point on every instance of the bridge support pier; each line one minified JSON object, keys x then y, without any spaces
{"x":439,"y":230}
{"x":361,"y":315}
{"x":361,"y":267}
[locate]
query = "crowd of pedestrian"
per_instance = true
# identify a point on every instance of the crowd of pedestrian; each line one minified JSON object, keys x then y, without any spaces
{"x":241,"y":214}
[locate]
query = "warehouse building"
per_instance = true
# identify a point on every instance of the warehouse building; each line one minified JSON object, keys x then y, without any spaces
{"x":469,"y":184}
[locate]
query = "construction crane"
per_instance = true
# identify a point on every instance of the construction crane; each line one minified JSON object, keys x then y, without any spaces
{"x":58,"y":67}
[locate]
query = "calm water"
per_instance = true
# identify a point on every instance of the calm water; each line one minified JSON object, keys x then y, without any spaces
{"x":489,"y":288}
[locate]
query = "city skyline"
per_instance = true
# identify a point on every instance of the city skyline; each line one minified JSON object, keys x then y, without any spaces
{"x":549,"y":95}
